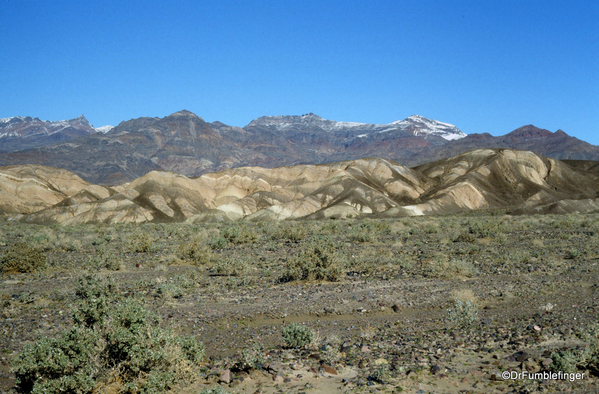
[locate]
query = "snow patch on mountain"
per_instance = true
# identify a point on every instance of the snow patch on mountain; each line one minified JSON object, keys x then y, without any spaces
{"x":415,"y":124}
{"x":104,"y":129}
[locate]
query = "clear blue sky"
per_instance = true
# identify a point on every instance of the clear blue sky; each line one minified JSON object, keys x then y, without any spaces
{"x":485,"y":66}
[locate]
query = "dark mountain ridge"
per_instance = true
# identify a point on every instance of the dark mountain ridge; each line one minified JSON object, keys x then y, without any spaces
{"x":184,"y":143}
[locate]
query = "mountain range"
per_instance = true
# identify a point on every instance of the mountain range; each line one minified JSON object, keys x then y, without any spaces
{"x":185,"y":144}
{"x":483,"y":179}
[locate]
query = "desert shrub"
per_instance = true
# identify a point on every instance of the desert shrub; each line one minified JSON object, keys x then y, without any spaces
{"x":69,"y":363}
{"x":240,"y":234}
{"x":566,"y":361}
{"x":296,"y":335}
{"x":449,"y":269}
{"x":465,"y":237}
{"x":233,"y":266}
{"x":572,"y":254}
{"x":113,"y":340}
{"x":26,"y":297}
{"x":430,"y":228}
{"x":292,"y":232}
{"x":141,"y":242}
{"x":69,"y":244}
{"x":463,"y":314}
{"x":319,"y":260}
{"x":251,"y":358}
{"x":361,"y":233}
{"x":169,"y":290}
{"x":487,"y":228}
{"x":195,"y":253}
{"x":331,"y":355}
{"x":218,"y":243}
{"x":381,"y":374}
{"x":587,"y":358}
{"x":21,"y":257}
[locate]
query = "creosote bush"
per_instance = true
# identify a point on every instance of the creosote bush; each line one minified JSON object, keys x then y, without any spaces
{"x":21,"y":258}
{"x":195,"y":253}
{"x":318,"y":260}
{"x":296,"y":335}
{"x":114,"y":341}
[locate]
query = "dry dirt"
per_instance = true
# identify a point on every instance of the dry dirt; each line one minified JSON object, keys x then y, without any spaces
{"x":382,"y":326}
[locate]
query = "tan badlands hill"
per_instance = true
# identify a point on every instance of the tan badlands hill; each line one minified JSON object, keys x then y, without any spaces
{"x":482,"y":179}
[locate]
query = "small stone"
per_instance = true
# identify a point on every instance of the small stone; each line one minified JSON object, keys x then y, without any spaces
{"x":395,"y":308}
{"x":278,"y":379}
{"x":225,"y":376}
{"x":380,"y":361}
{"x":435,"y":369}
{"x":546,"y":362}
{"x":328,"y":369}
{"x":365,"y":349}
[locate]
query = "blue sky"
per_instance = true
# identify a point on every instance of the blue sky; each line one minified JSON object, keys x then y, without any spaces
{"x":485,"y":66}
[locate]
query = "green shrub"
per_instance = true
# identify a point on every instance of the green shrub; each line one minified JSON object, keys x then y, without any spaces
{"x":251,"y":358}
{"x":21,"y":258}
{"x":69,"y":363}
{"x":218,"y":243}
{"x":195,"y":253}
{"x":463,"y":314}
{"x":570,"y":360}
{"x":381,"y":374}
{"x":113,"y":340}
{"x":141,"y":242}
{"x":233,"y":266}
{"x":487,"y":228}
{"x":292,"y":232}
{"x":316,"y":261}
{"x":566,"y":361}
{"x":296,"y":335}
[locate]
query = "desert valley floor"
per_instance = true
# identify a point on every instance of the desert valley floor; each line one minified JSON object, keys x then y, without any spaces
{"x":381,"y":297}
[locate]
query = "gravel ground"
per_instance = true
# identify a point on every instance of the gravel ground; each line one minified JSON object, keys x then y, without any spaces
{"x":382,"y":326}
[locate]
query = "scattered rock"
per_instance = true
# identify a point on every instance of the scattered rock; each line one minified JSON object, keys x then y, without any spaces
{"x":546,"y":362}
{"x":225,"y":376}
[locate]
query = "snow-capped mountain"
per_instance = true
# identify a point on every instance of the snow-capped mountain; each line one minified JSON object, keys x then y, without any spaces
{"x":419,"y":125}
{"x":24,"y":132}
{"x":415,"y":124}
{"x":19,"y":126}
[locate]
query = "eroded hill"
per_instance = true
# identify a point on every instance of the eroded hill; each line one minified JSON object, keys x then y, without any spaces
{"x":482,"y":179}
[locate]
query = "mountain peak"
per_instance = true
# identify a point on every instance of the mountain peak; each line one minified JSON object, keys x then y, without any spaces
{"x":419,"y":125}
{"x":529,"y":131}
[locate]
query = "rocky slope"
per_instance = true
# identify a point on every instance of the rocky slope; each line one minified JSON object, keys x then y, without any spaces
{"x":481,"y":179}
